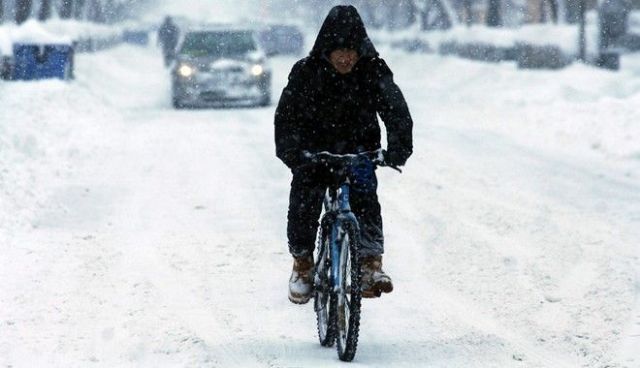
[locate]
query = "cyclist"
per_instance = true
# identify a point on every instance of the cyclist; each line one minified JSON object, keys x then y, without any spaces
{"x":330,"y":104}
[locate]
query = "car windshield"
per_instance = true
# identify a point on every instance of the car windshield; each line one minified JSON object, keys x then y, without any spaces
{"x":218,"y":44}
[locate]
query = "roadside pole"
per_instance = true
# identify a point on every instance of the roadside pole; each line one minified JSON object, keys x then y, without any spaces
{"x":582,"y":41}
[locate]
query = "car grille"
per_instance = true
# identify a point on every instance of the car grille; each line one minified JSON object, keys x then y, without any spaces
{"x":233,"y":69}
{"x":224,"y":78}
{"x":212,"y":95}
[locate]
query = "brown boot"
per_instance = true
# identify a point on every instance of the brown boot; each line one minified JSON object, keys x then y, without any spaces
{"x":374,"y":280}
{"x":301,"y":280}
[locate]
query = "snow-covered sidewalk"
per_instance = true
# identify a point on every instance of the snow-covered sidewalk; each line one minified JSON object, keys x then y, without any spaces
{"x":137,"y":235}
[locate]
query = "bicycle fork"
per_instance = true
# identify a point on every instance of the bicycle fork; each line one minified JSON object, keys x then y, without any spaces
{"x":338,"y":233}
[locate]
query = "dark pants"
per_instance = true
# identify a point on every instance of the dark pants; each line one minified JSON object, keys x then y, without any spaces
{"x":169,"y":54}
{"x":308,"y":189}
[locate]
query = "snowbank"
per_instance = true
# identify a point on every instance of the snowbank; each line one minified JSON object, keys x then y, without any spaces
{"x":41,"y":131}
{"x":579,"y":110}
{"x":88,"y":36}
{"x":33,"y":32}
{"x":564,"y":36}
{"x":5,"y":42}
{"x":77,"y":30}
{"x":27,"y":143}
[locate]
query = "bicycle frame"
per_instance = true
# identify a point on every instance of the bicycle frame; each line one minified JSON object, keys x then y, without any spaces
{"x":343,"y":214}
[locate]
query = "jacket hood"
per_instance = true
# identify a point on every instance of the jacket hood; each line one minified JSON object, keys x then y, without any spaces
{"x":343,"y":28}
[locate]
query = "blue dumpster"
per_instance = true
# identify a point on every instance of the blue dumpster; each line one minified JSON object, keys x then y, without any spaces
{"x":33,"y":61}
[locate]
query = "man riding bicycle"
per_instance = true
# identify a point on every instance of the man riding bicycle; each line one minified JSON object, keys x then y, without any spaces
{"x":330,"y":104}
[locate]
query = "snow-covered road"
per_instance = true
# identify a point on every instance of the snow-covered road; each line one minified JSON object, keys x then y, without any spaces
{"x":137,"y":235}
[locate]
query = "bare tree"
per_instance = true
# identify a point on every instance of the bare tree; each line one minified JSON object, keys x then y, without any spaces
{"x":582,"y":39}
{"x":573,"y":9}
{"x":45,"y":10}
{"x":394,"y":14}
{"x":23,"y":10}
{"x":366,"y":11}
{"x":403,"y":14}
{"x":369,"y":10}
{"x":115,"y":11}
{"x":434,"y":14}
{"x":467,"y":12}
{"x":494,"y":18}
{"x":553,"y":9}
{"x":110,"y":11}
{"x":66,"y":9}
{"x":78,"y":9}
{"x":96,"y":11}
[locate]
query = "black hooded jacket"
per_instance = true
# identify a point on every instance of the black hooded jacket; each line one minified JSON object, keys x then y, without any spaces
{"x":322,"y":110}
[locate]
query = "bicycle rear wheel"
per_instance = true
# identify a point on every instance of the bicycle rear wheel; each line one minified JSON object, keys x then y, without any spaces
{"x":323,"y":299}
{"x":347,"y":306}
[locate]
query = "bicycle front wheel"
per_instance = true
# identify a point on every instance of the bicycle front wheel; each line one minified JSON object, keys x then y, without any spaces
{"x":349,"y":297}
{"x":323,"y":299}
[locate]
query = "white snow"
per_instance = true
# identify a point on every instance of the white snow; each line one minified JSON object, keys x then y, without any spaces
{"x":54,"y":31}
{"x":33,"y":32}
{"x":564,"y":36}
{"x":77,"y":30}
{"x":5,"y":43}
{"x":135,"y":235}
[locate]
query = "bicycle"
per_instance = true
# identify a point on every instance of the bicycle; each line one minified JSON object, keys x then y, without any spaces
{"x":337,"y":275}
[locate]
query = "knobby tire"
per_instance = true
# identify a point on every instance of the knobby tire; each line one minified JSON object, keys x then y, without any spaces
{"x":347,"y":348}
{"x":323,"y":299}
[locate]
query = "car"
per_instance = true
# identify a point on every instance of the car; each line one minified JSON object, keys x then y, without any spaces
{"x":282,"y":39}
{"x":220,"y":66}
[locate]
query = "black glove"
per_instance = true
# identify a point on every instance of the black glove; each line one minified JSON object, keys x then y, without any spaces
{"x":392,"y":158}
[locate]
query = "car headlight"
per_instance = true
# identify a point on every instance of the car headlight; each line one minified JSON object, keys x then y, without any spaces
{"x":186,"y":70}
{"x":257,"y":70}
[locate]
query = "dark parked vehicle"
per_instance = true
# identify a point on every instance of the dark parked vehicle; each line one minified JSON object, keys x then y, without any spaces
{"x":281,"y":39}
{"x":220,"y":67}
{"x":6,"y":67}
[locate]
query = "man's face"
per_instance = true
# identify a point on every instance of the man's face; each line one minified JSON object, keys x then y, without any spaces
{"x":343,"y":60}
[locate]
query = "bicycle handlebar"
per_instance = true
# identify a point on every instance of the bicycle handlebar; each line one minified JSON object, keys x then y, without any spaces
{"x":377,"y":157}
